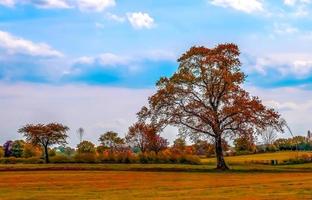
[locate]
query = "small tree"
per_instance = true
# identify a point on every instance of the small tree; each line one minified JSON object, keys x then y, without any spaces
{"x":245,"y":143}
{"x":18,"y":148}
{"x":145,"y":137}
{"x":86,"y":147}
{"x":7,"y":147}
{"x":111,"y":140}
{"x":268,"y":136}
{"x":1,"y":152}
{"x":179,"y":145}
{"x":45,"y":135}
{"x":31,"y":151}
{"x":139,"y":136}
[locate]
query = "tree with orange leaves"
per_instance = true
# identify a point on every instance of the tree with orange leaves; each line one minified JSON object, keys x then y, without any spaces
{"x":205,"y":97}
{"x":145,"y":137}
{"x":45,"y":135}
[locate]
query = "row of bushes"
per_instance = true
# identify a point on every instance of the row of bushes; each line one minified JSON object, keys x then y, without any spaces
{"x":13,"y":160}
{"x":145,"y":158}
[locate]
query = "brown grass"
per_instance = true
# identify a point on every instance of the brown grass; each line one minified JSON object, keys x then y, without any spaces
{"x":153,"y":185}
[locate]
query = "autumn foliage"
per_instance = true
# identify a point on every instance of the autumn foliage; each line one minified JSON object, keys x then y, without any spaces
{"x":205,"y":96}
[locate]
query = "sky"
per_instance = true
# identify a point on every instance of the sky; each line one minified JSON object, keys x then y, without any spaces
{"x":93,"y":63}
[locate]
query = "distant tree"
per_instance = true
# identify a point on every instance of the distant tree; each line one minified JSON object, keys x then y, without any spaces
{"x":86,"y":147}
{"x":245,"y":143}
{"x":157,"y":143}
{"x":203,"y":147}
{"x":269,"y":135}
{"x":101,"y":149}
{"x":179,"y":145}
{"x":45,"y":135}
{"x":141,"y":135}
{"x":205,"y":96}
{"x":18,"y":148}
{"x":7,"y":147}
{"x":31,"y":151}
{"x":68,"y":151}
{"x":80,"y":133}
{"x":1,"y":152}
{"x":111,"y":140}
{"x":284,"y":144}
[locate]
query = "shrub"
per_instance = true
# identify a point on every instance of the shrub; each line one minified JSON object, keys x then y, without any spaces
{"x":305,"y":158}
{"x":1,"y":152}
{"x":52,"y":152}
{"x":31,"y":151}
{"x":85,"y":158}
{"x":86,"y":147}
{"x":61,"y":159}
{"x":17,"y":148}
{"x":13,"y":160}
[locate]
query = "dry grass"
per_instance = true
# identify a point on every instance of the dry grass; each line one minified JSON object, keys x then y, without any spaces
{"x":280,"y":156}
{"x":153,"y":185}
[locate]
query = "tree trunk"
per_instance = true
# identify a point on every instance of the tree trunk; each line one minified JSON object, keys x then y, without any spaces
{"x":219,"y":154}
{"x":46,"y":154}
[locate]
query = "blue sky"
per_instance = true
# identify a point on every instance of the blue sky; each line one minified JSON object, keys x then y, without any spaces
{"x":128,"y":45}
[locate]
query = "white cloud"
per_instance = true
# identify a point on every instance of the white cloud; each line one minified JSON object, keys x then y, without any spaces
{"x":105,"y":59}
{"x":16,"y":45}
{"x":50,"y":4}
{"x":95,"y":5}
{"x":8,"y":3}
{"x":290,"y":2}
{"x":296,"y":2}
{"x":284,"y":29}
{"x":85,"y":60}
{"x":248,"y":6}
{"x":140,"y":20}
{"x":113,"y":59}
{"x":115,"y":17}
{"x":294,"y":104}
{"x":287,"y":64}
{"x":84,"y":5}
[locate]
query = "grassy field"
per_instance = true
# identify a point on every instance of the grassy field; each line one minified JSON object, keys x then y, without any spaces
{"x":153,"y":185}
{"x":279,"y":156}
{"x":159,"y":181}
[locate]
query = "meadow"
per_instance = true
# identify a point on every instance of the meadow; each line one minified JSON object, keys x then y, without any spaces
{"x":159,"y":181}
{"x":154,"y":185}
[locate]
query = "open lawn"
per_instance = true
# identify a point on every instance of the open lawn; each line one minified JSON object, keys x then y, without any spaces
{"x":266,"y":157}
{"x":158,"y":181}
{"x":153,"y":185}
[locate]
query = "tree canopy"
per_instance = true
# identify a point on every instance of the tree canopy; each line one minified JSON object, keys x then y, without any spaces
{"x":45,"y":135}
{"x":205,"y":96}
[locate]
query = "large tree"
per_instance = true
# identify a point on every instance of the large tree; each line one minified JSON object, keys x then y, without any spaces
{"x":45,"y":135}
{"x":205,"y":97}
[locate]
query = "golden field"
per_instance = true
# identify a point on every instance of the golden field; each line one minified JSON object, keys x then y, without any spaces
{"x":153,"y":185}
{"x":159,"y":181}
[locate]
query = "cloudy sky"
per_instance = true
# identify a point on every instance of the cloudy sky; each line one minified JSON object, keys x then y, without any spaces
{"x":93,"y":63}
